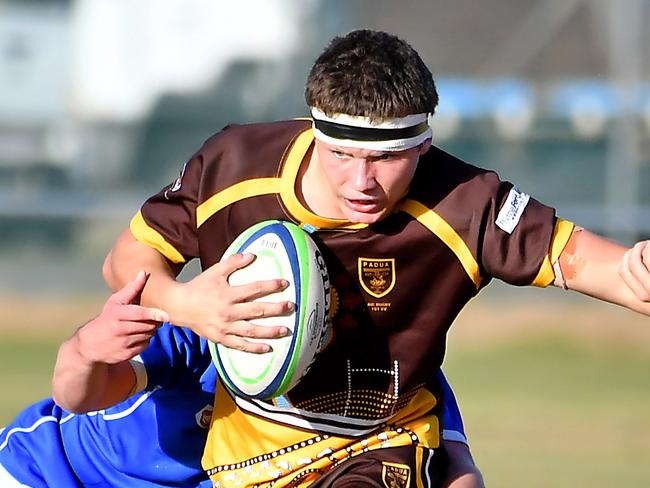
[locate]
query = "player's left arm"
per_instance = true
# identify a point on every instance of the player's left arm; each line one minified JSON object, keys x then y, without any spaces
{"x":590,"y":264}
{"x":93,"y":369}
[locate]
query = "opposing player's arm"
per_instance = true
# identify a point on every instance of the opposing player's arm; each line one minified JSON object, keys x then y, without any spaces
{"x":462,"y":471}
{"x":591,"y":264}
{"x":207,"y":304}
{"x":93,"y":369}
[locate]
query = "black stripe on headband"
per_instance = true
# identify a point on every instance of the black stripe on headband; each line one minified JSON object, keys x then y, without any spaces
{"x":350,"y":132}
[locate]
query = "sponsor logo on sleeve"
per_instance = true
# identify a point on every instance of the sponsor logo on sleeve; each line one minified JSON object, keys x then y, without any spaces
{"x":512,"y":210}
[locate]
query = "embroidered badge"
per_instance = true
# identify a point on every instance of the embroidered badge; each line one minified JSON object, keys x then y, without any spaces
{"x":395,"y":475}
{"x":377,"y":276}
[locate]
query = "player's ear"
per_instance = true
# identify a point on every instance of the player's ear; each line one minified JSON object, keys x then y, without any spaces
{"x":424,"y":147}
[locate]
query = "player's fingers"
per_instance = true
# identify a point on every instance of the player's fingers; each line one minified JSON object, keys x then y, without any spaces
{"x":133,"y":328}
{"x":257,"y":289}
{"x":227,"y":316}
{"x":139,"y":313}
{"x":241,"y":344}
{"x":137,"y":347}
{"x":628,"y":272}
{"x":635,"y":263}
{"x":229,"y":265}
{"x":640,"y":258}
{"x":131,"y":290}
{"x":246,"y":329}
{"x":139,"y":340}
{"x":260,"y":309}
{"x":645,"y":254}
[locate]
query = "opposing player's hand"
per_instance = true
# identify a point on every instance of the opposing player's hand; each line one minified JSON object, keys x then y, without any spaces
{"x":123,"y":329}
{"x":635,"y":270}
{"x":214,"y":309}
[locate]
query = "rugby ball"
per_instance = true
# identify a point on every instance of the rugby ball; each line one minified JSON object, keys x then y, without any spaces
{"x":282,"y":250}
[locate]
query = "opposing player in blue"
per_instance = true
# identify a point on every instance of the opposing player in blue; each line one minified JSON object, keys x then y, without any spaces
{"x":156,"y":436}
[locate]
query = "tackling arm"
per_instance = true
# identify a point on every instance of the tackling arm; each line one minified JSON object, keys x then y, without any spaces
{"x":92,"y":369}
{"x":462,"y":472}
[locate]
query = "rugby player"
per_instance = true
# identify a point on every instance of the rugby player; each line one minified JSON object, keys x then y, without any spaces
{"x":410,"y":234}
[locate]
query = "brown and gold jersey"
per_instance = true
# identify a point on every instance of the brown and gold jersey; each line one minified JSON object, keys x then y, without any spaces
{"x":397,"y":287}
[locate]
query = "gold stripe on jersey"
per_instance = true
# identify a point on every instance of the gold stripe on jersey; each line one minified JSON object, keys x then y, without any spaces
{"x":248,"y":450}
{"x":289,"y":176}
{"x":436,"y":224}
{"x":561,"y":235}
{"x":152,"y":238}
{"x":284,"y":186}
{"x":418,"y":467}
{"x":239,"y":191}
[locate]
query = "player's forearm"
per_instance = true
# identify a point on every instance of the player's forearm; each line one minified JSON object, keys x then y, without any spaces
{"x":590,"y":265}
{"x":127,"y":257}
{"x":80,"y":384}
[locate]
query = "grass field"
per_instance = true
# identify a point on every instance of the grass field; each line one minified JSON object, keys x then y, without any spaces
{"x":555,"y":413}
{"x":543,"y":407}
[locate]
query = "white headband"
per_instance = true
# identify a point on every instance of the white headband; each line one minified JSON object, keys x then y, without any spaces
{"x":394,"y":134}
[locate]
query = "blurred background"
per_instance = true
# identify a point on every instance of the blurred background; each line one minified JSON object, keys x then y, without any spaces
{"x":101,"y":103}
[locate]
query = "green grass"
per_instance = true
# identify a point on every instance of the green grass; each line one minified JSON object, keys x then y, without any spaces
{"x":25,"y":374}
{"x":543,"y":412}
{"x":551,"y":413}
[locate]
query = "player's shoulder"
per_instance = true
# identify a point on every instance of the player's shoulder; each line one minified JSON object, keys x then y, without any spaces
{"x":441,"y":176}
{"x":242,"y":151}
{"x":440,"y":162}
{"x":240,"y":135}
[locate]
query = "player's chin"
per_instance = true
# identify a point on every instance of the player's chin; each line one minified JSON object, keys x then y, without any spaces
{"x":366,"y":217}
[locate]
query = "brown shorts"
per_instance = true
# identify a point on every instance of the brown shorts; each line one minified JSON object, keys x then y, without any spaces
{"x":394,"y":467}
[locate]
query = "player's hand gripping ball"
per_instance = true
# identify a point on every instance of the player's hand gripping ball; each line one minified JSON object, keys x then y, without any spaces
{"x":282,"y":250}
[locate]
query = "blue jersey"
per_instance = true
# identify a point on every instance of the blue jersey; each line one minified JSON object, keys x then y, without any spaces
{"x":153,"y":439}
{"x":452,"y":420}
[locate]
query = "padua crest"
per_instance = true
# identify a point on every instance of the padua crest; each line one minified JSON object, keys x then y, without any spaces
{"x":377,"y":276}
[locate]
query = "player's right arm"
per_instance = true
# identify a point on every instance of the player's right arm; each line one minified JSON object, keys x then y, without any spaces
{"x":93,"y":369}
{"x":163,"y":237}
{"x":207,"y":304}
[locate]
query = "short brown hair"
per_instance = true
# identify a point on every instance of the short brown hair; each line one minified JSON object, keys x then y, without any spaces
{"x":371,"y":74}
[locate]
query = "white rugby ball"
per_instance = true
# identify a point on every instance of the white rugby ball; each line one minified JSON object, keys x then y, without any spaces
{"x":282,"y":250}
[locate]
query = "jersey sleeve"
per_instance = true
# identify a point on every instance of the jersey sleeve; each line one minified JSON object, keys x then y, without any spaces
{"x":494,"y":229}
{"x":175,"y":355}
{"x":167,"y":220}
{"x":453,"y":428}
{"x":522,"y":238}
